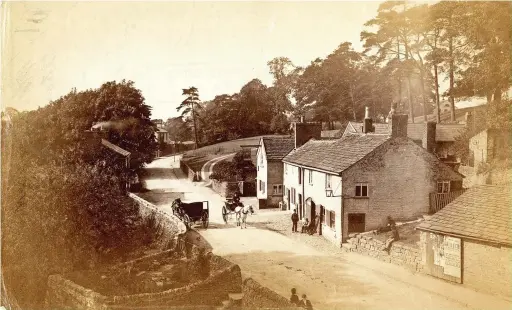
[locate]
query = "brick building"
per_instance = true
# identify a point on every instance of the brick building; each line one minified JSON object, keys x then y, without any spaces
{"x":470,"y":240}
{"x":354,"y":183}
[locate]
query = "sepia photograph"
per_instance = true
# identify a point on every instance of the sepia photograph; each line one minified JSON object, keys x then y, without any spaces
{"x":246,"y":155}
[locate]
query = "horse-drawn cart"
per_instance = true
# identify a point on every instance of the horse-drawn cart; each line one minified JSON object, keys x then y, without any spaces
{"x":192,"y":212}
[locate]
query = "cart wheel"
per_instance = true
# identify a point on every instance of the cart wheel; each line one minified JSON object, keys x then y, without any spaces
{"x":186,"y":221}
{"x":224,"y":214}
{"x":205,"y":220}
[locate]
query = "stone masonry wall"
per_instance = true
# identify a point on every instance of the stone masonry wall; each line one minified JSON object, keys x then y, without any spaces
{"x":400,"y":176}
{"x":256,"y":296}
{"x":225,"y":277}
{"x":274,"y":177}
{"x":399,"y":254}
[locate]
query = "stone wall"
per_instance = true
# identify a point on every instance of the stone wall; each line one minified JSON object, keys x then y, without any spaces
{"x":399,"y":254}
{"x":225,"y":277}
{"x":400,"y":175}
{"x":256,"y":296}
{"x":169,"y":227}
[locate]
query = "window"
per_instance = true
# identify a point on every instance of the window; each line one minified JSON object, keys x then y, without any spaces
{"x":362,"y":190}
{"x":443,"y":186}
{"x":278,"y":189}
{"x":332,"y":219}
{"x":285,"y":168}
{"x":292,"y":197}
{"x":324,"y":216}
{"x":300,"y":175}
{"x":328,"y":181}
{"x":310,"y":177}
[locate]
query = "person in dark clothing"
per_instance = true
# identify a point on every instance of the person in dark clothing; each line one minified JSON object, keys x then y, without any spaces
{"x":236,"y":198}
{"x":294,"y":299}
{"x":394,"y":232}
{"x":295,"y":220}
{"x":305,"y":303}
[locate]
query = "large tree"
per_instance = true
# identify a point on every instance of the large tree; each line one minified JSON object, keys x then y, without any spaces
{"x":189,"y":107}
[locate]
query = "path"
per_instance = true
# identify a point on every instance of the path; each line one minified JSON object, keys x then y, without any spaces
{"x":332,"y":281}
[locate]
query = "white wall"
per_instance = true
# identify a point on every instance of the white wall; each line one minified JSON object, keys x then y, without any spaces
{"x":261,"y":174}
{"x":316,"y":191}
{"x":291,"y":180}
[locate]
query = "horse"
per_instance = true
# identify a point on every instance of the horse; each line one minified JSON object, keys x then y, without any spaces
{"x":241,"y":214}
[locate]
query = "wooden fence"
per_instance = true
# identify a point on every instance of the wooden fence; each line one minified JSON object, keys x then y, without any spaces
{"x":439,"y":201}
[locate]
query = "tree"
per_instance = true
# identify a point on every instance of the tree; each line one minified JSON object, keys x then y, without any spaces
{"x":189,"y":106}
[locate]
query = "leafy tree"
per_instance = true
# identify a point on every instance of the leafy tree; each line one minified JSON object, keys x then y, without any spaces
{"x":190,"y":105}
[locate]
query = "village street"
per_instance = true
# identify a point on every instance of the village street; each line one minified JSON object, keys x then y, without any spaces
{"x":332,"y":279}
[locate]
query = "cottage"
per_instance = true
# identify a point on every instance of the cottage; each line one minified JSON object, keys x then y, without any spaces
{"x":353,"y":184}
{"x":271,"y":152}
{"x":469,"y":241}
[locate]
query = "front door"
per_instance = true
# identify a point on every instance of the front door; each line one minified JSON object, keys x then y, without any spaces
{"x":356,"y":222}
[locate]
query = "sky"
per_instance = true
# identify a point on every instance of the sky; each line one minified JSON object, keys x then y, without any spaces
{"x":48,"y":48}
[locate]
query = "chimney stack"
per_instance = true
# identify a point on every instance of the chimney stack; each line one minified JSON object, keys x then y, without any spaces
{"x":305,"y":131}
{"x":428,"y":140}
{"x":398,"y":124}
{"x":368,"y":122}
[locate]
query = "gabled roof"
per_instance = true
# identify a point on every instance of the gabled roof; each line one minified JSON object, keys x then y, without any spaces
{"x":115,"y":148}
{"x":482,"y":213}
{"x":276,"y":148}
{"x":444,"y":132}
{"x":335,"y":155}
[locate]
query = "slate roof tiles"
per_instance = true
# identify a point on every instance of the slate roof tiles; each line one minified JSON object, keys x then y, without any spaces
{"x":482,"y":212}
{"x":278,"y":147}
{"x":335,"y":155}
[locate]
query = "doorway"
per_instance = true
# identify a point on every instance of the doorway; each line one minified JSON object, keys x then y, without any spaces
{"x":356,"y":222}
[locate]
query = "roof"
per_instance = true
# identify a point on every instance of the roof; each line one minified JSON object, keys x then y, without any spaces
{"x":276,"y":148}
{"x":337,"y":133}
{"x":481,"y":213}
{"x":115,"y":148}
{"x":335,"y":155}
{"x":444,"y":132}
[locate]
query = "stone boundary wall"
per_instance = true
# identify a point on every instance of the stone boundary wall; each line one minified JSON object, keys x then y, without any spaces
{"x":189,"y":172}
{"x":256,"y":296}
{"x":225,"y":278}
{"x":399,"y":254}
{"x":170,"y":225}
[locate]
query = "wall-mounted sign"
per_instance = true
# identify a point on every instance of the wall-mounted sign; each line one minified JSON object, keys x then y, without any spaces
{"x":452,"y":257}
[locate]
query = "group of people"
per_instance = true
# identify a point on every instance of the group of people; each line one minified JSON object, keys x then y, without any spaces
{"x":304,"y":302}
{"x":307,"y":227}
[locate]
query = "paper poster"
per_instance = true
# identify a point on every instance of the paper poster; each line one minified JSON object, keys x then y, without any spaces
{"x":452,"y":257}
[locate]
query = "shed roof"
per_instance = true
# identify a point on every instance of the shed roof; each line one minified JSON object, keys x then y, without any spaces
{"x":276,"y":148}
{"x":335,"y":155}
{"x":115,"y":148}
{"x":482,"y":213}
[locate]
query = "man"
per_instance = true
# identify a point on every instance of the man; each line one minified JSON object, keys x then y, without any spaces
{"x":294,"y":299}
{"x":236,"y":198}
{"x":394,"y":232}
{"x":295,"y":219}
{"x":305,"y":303}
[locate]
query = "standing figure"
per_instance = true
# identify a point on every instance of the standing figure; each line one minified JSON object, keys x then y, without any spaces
{"x":295,"y":220}
{"x":305,"y":303}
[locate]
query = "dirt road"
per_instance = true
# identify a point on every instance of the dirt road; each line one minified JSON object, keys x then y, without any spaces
{"x":331,"y":280}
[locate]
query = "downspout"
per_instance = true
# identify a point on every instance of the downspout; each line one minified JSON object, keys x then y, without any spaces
{"x":303,"y":202}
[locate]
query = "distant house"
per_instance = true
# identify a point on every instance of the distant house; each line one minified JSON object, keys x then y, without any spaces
{"x":332,"y":134}
{"x":271,"y":152}
{"x":436,"y":138}
{"x":488,"y":145}
{"x":162,"y":135}
{"x":470,"y":240}
{"x":352,"y":184}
